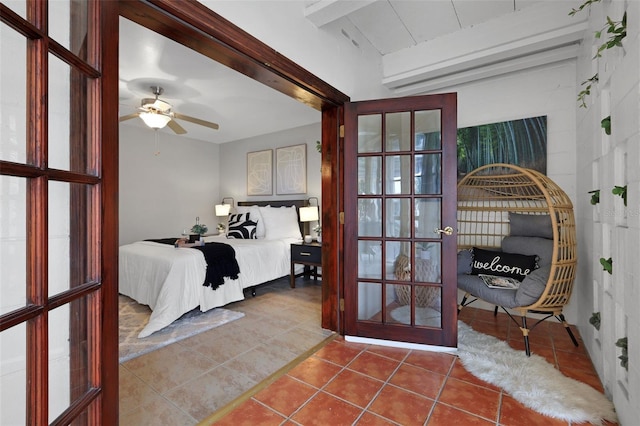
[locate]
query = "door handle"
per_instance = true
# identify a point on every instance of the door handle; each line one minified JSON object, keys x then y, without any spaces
{"x":446,"y":231}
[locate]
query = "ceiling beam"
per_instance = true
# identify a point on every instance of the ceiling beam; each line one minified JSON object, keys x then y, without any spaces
{"x":197,"y":27}
{"x":324,"y":12}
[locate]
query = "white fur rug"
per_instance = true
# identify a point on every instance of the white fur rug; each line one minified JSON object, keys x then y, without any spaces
{"x":133,"y":317}
{"x":532,"y":381}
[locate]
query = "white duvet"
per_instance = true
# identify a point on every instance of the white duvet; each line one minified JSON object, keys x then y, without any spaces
{"x":170,"y":279}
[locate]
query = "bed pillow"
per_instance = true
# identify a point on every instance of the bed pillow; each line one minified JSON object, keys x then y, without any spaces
{"x":280,"y":222}
{"x":530,"y":225}
{"x":541,"y":247}
{"x":255,"y":216}
{"x":504,"y":264}
{"x":241,"y":227}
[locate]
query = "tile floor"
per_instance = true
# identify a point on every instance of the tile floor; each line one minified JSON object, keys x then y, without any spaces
{"x":346,"y":383}
{"x":267,"y":373}
{"x":183,"y":383}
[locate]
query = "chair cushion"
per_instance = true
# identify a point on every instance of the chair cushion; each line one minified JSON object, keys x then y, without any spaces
{"x":465,"y":257}
{"x":532,"y":286}
{"x":504,"y":264}
{"x":530,"y":225}
{"x":474,"y":285}
{"x":541,"y":247}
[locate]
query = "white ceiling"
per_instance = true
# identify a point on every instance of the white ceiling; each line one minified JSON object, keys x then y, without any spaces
{"x":198,"y":86}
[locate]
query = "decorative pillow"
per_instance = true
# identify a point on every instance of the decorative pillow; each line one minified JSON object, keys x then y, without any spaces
{"x":541,"y":247}
{"x":280,"y":222}
{"x":530,"y":225}
{"x":255,"y":216}
{"x":504,"y":264}
{"x":241,"y":227}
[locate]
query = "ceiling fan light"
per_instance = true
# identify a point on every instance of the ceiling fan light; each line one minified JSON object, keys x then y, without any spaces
{"x":155,"y":120}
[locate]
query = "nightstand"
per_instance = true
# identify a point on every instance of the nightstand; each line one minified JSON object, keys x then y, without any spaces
{"x":307,"y":254}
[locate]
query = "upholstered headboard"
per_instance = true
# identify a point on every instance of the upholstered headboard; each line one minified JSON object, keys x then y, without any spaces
{"x":279,"y":203}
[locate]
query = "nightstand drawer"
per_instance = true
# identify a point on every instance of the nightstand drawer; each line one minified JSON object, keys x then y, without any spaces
{"x":306,"y":253}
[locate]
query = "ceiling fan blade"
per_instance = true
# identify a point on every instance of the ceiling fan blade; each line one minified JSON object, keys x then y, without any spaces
{"x":196,"y":120}
{"x":129,"y":117}
{"x":177,"y":129}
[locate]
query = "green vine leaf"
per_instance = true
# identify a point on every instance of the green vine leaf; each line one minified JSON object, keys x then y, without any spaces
{"x":624,"y":358}
{"x":617,"y":31}
{"x":606,"y":125}
{"x":595,"y":320}
{"x":587,"y":90}
{"x":582,"y":6}
{"x":318,"y":146}
{"x":621,"y":191}
{"x":595,"y":196}
{"x":607,"y":265}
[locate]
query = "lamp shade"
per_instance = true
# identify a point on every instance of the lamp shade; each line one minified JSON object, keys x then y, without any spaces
{"x":308,"y":214}
{"x":155,"y":120}
{"x":223,"y":209}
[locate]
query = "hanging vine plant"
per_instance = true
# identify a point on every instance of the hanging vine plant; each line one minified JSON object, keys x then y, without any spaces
{"x":607,"y":265}
{"x":595,"y":196}
{"x":624,"y":358}
{"x":621,"y":191}
{"x":606,"y":125}
{"x":595,"y":320}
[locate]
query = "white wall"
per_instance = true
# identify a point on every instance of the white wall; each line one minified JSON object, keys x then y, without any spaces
{"x":233,"y":167}
{"x":356,"y":71}
{"x":609,"y":229}
{"x":160,"y":195}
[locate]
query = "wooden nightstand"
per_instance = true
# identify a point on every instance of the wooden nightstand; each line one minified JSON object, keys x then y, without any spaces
{"x":307,"y":254}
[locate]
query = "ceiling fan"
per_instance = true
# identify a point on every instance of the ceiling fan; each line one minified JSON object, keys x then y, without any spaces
{"x":157,"y":114}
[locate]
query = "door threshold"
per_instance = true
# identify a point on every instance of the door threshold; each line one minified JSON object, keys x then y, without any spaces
{"x":404,"y":345}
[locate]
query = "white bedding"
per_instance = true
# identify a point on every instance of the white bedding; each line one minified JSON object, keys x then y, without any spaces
{"x":170,"y":279}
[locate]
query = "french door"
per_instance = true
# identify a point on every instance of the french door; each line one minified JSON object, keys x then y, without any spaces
{"x":400,"y":219}
{"x":58,"y":212}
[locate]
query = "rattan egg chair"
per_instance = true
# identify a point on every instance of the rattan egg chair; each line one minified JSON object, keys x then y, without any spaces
{"x":518,"y":210}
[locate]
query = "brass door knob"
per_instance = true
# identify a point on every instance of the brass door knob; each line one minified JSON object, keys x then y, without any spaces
{"x":446,"y":231}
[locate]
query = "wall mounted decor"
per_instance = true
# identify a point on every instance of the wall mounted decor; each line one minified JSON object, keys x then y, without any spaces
{"x":291,"y":170}
{"x":260,"y":172}
{"x":521,"y":142}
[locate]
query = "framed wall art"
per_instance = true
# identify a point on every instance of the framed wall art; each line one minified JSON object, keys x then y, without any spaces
{"x":291,"y":169}
{"x":260,"y":172}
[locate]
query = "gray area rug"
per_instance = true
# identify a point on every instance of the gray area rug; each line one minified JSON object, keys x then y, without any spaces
{"x":133,"y":317}
{"x":532,"y":381}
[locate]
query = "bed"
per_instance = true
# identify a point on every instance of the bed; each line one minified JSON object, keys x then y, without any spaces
{"x":170,"y":280}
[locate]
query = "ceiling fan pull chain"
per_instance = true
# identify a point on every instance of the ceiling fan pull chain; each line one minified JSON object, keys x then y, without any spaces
{"x":157,"y":148}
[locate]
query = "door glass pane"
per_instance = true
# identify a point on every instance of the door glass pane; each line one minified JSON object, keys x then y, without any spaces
{"x":369,"y":259}
{"x":369,"y":301}
{"x":369,"y":217}
{"x":70,"y":207}
{"x":370,"y":133}
{"x":13,"y":380}
{"x":398,"y":174}
{"x":369,"y":175}
{"x":18,"y":6}
{"x":13,"y":86}
{"x":428,"y":263}
{"x":13,"y":243}
{"x":398,"y":260}
{"x":428,"y":217}
{"x":398,"y":131}
{"x":398,"y":218}
{"x":68,"y":135}
{"x":428,"y":173}
{"x":428,"y":135}
{"x":68,"y":25}
{"x":427,"y":305}
{"x":68,"y":355}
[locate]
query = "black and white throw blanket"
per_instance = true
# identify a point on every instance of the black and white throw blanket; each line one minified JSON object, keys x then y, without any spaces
{"x":220,"y":258}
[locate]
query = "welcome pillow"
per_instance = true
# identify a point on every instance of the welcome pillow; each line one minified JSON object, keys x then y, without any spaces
{"x":503,"y":264}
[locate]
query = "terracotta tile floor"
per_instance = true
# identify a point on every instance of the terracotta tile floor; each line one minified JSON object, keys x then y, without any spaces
{"x":347,"y":383}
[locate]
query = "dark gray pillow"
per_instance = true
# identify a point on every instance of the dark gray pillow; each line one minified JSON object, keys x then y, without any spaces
{"x":474,"y":285}
{"x":542,"y":247}
{"x":532,"y":286}
{"x":465,"y":257}
{"x":530,"y":225}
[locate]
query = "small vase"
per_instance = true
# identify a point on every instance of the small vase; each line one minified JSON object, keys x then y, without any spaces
{"x":319,"y":238}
